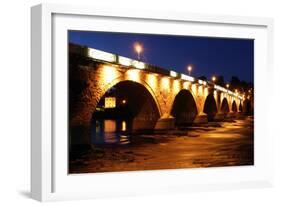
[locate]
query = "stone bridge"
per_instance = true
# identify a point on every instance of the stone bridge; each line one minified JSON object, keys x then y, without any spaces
{"x":158,"y":98}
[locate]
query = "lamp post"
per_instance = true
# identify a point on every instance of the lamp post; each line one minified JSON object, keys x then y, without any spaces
{"x":189,"y":69}
{"x":138,"y":49}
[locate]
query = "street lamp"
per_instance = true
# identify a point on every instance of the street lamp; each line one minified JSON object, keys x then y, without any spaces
{"x":227,"y":86}
{"x":189,"y":69}
{"x":138,"y":49}
{"x":214,"y":78}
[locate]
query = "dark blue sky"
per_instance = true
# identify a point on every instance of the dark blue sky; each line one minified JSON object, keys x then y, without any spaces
{"x":209,"y":56}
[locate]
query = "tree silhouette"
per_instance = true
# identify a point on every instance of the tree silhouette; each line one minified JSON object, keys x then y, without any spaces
{"x":235,"y":83}
{"x":203,"y":78}
{"x":220,"y":81}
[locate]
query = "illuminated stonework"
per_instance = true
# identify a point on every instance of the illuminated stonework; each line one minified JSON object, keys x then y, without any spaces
{"x":98,"y":77}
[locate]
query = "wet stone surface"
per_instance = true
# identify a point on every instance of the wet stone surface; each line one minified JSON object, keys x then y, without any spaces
{"x":216,"y":144}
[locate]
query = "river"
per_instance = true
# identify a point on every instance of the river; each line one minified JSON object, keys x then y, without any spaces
{"x":217,"y":144}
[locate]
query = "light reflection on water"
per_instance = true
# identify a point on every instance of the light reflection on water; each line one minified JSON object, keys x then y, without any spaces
{"x":110,"y":131}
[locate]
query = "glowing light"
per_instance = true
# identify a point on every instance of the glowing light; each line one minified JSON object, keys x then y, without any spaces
{"x":176,"y":85}
{"x":200,"y":90}
{"x":186,"y":77}
{"x":138,"y":49}
{"x":124,"y":126}
{"x":186,"y":85}
{"x":124,"y":101}
{"x":202,"y":82}
{"x":130,"y":62}
{"x":165,"y":83}
{"x":109,"y":125}
{"x":109,"y":102}
{"x":206,"y":92}
{"x":220,"y":88}
{"x":101,"y":55}
{"x":214,"y":78}
{"x":133,"y":74}
{"x":138,"y":64}
{"x":194,"y":88}
{"x":215,"y":94}
{"x":124,"y":61}
{"x":173,"y":74}
{"x":152,"y":80}
{"x":109,"y":73}
{"x":227,"y":85}
{"x":189,"y":69}
{"x":230,"y":92}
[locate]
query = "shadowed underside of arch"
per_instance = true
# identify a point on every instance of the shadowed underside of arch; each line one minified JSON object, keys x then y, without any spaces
{"x":234,"y":106}
{"x":184,"y":108}
{"x":132,"y":102}
{"x":210,"y":107}
{"x":224,"y":107}
{"x":247,"y":107}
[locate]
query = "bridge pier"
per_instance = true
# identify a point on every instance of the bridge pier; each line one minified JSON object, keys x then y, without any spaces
{"x":231,"y":114}
{"x":165,"y":122}
{"x":219,"y":116}
{"x":240,"y":114}
{"x":201,"y":118}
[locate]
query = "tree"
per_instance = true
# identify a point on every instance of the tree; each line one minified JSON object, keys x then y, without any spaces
{"x":241,"y":86}
{"x":203,"y":78}
{"x":235,"y":83}
{"x":220,"y":81}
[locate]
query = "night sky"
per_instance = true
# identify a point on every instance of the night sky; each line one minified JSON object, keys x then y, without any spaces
{"x":208,"y":56}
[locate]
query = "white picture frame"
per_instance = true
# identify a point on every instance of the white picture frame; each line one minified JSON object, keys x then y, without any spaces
{"x":49,"y":180}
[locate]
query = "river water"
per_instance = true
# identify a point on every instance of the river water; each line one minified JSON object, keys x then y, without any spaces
{"x":228,"y":143}
{"x":110,"y":131}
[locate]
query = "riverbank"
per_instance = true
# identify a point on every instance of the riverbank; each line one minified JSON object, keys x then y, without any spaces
{"x":211,"y":145}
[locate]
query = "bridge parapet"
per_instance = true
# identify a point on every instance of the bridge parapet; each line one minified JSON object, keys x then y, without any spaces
{"x":106,"y":57}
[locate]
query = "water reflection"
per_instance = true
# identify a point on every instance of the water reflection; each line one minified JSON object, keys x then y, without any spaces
{"x":111,"y":131}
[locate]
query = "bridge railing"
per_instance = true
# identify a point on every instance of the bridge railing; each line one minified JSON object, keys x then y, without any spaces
{"x":107,"y":57}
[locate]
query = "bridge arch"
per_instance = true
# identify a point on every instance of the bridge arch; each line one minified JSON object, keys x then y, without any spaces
{"x":224,"y":107}
{"x":134,"y":109}
{"x":140,"y":80}
{"x":94,"y":84}
{"x":247,"y":107}
{"x":210,"y":107}
{"x":184,"y":108}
